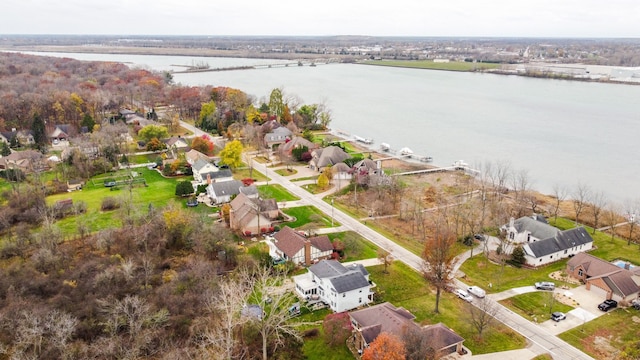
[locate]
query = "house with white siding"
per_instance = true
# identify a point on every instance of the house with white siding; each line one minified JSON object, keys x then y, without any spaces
{"x":342,"y":288}
{"x":564,"y":244}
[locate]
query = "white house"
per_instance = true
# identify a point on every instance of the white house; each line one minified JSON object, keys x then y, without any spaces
{"x":221,"y":192}
{"x":529,"y":229}
{"x":342,"y":288}
{"x":292,"y":246}
{"x":201,"y":167}
{"x":563,"y":245}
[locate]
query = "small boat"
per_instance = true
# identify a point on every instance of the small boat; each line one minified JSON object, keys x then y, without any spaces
{"x":363,"y":140}
{"x":405,"y":151}
{"x":426,"y":159}
{"x":385,"y":147}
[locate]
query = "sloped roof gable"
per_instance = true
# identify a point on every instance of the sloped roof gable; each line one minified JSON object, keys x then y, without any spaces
{"x":562,"y":241}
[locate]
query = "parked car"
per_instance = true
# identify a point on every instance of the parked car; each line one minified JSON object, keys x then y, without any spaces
{"x":478,"y":237}
{"x":545,"y":285}
{"x":464,"y":295}
{"x":636,"y":304}
{"x":476,"y":291}
{"x":557,"y":316}
{"x":608,"y":305}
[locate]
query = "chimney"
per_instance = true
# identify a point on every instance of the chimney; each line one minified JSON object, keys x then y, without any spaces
{"x":307,"y":252}
{"x":512,"y":222}
{"x":208,"y":179}
{"x":627,"y":265}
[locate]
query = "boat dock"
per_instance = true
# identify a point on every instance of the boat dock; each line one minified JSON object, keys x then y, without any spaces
{"x":457,"y":166}
{"x":405,"y":153}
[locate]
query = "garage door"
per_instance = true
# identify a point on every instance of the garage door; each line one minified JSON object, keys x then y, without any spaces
{"x":600,"y":292}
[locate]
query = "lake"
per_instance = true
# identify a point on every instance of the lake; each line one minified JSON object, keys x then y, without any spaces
{"x":560,"y":132}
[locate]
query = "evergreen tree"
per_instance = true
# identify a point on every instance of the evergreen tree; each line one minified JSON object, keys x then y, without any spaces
{"x":5,"y":151}
{"x":39,"y":133}
{"x":87,"y":121}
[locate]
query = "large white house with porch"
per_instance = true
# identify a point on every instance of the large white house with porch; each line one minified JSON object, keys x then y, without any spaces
{"x":341,"y":287}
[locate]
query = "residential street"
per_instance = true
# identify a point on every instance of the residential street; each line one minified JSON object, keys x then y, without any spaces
{"x":542,"y":341}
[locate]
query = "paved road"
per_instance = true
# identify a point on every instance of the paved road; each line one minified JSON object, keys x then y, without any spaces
{"x":542,"y":341}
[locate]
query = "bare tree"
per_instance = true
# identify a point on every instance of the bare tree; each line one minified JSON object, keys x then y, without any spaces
{"x":560,"y":193}
{"x":598,"y":203}
{"x":385,"y":258}
{"x":417,"y":343}
{"x":438,"y":257}
{"x":482,"y":314}
{"x":631,"y":213}
{"x":611,"y":218}
{"x":226,"y":303}
{"x":580,"y":196}
{"x":275,"y":324}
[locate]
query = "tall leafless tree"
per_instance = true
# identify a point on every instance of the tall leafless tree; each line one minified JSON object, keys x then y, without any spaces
{"x":560,"y":192}
{"x":597,"y":202}
{"x":580,"y":196}
{"x":438,"y":256}
{"x":482,"y":314}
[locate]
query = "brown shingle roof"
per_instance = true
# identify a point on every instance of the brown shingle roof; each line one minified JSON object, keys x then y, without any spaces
{"x":289,"y":241}
{"x":321,"y":243}
{"x":383,"y":318}
{"x":593,"y":266}
{"x":441,"y":337}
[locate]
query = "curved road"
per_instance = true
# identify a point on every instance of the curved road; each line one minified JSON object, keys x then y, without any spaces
{"x":541,"y":340}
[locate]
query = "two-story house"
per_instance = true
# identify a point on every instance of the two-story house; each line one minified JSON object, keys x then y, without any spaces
{"x":342,"y":288}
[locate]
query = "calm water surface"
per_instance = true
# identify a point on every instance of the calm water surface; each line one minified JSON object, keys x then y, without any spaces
{"x":561,"y":132}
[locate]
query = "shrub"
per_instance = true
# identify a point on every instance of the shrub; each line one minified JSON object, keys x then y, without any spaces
{"x":109,"y":203}
{"x":311,"y":333}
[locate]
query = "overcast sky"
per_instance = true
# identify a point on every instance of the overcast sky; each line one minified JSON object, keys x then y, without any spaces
{"x":502,"y":18}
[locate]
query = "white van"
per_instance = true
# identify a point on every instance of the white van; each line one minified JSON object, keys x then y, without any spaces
{"x":476,"y":291}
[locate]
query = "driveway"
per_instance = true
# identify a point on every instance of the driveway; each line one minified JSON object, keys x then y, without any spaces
{"x":586,"y":310}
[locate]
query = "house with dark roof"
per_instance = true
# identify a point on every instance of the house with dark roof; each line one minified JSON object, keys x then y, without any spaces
{"x":252,"y":215}
{"x":176,"y":142}
{"x":328,"y":156}
{"x":60,"y":132}
{"x":372,"y":321}
{"x":342,"y":288}
{"x":604,"y":278}
{"x":562,"y":245}
{"x":201,"y":168}
{"x":292,"y":246}
{"x":529,"y":229}
{"x":221,"y":192}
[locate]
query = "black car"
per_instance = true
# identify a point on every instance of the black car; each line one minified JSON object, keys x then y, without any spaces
{"x":608,"y":305}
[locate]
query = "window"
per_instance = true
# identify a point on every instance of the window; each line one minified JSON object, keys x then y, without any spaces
{"x":580,"y":272}
{"x":565,"y":251}
{"x":344,"y":295}
{"x":359,"y":300}
{"x":511,"y":236}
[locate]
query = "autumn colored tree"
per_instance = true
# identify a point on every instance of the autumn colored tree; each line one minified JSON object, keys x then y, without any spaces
{"x":207,"y":120}
{"x":155,"y":145}
{"x":203,"y":144}
{"x":438,"y":256}
{"x":276,"y":103}
{"x":153,"y":131}
{"x":337,"y":328}
{"x":323,"y":181}
{"x":385,"y":347}
{"x":231,"y":155}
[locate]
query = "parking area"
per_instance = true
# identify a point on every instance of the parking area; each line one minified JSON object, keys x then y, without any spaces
{"x":585,"y":310}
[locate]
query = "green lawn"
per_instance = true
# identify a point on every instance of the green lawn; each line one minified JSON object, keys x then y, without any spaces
{"x":277,"y":192}
{"x":616,"y":327}
{"x":356,"y":247}
{"x":143,"y":159}
{"x":430,"y":64}
{"x":316,"y":348}
{"x":159,"y":192}
{"x":535,"y":306}
{"x":246,"y":173}
{"x":482,"y":272}
{"x":308,"y":216}
{"x":286,"y":172}
{"x":404,"y":287}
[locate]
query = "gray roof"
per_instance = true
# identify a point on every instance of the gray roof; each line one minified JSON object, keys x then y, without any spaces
{"x":227,"y":187}
{"x":199,"y":164}
{"x":222,"y":173}
{"x":562,"y":241}
{"x":538,"y":229}
{"x":342,"y":278}
{"x":329,"y":156}
{"x":249,"y":190}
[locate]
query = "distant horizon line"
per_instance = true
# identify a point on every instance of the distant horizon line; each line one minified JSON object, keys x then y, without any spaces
{"x":326,"y":36}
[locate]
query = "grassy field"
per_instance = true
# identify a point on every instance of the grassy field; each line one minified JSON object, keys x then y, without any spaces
{"x":615,"y":328}
{"x":404,"y":287}
{"x":356,"y":247}
{"x":430,"y":64}
{"x":276,"y":192}
{"x":308,"y":216}
{"x":158,"y":193}
{"x":482,"y":272}
{"x":535,"y":306}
